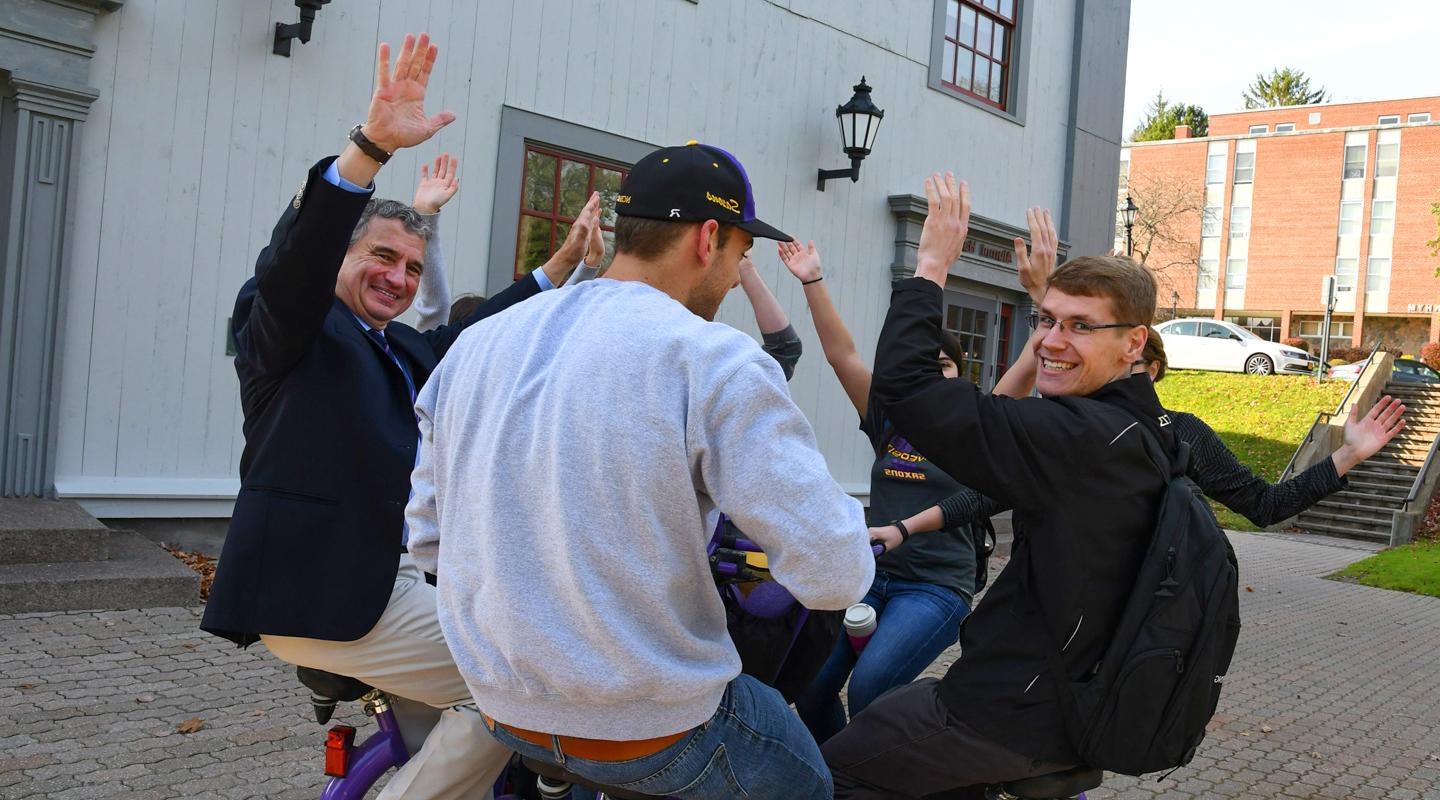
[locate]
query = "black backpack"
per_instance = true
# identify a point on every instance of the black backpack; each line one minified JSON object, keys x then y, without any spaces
{"x":1145,"y":706}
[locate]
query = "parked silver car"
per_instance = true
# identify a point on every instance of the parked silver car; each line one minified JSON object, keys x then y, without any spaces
{"x":1197,"y":343}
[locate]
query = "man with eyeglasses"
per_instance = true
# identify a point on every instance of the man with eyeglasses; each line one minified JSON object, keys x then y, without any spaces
{"x":1072,"y":464}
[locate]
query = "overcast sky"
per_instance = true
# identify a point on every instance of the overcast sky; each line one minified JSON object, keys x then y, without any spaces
{"x":1206,"y":53}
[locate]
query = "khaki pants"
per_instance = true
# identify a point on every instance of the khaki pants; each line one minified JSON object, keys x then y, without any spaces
{"x":405,"y":656}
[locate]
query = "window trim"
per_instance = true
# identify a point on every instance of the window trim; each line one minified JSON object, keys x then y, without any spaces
{"x":516,"y":128}
{"x":1394,"y":119}
{"x":1289,"y":127}
{"x":1411,"y":118}
{"x":1259,"y":129}
{"x":1016,"y":93}
{"x":557,"y":219}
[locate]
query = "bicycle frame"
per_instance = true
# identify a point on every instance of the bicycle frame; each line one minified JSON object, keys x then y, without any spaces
{"x":382,"y":750}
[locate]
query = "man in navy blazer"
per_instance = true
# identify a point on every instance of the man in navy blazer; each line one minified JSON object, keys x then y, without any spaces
{"x":314,"y":563}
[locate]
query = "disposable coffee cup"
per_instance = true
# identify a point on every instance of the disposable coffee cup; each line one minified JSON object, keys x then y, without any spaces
{"x":860,"y":622}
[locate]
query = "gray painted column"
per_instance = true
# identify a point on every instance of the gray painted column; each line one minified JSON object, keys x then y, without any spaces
{"x":44,"y":61}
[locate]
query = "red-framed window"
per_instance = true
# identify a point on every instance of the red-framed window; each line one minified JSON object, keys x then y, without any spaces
{"x":979,"y":38}
{"x":554,"y":186}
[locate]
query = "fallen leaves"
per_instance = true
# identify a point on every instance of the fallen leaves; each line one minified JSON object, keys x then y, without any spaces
{"x":190,"y":725}
{"x":200,"y":563}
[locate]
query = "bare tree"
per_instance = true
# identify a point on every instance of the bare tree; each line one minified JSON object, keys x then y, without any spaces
{"x":1166,"y":233}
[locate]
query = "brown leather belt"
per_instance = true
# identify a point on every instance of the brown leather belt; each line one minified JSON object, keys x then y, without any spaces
{"x":591,"y":749}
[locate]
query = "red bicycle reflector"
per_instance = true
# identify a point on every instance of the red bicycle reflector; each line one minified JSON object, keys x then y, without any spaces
{"x":338,"y":742}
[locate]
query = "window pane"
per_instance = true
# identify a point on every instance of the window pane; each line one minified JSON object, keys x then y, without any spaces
{"x":574,"y":180}
{"x":983,"y":34}
{"x":964,"y":69}
{"x":999,"y":44}
{"x":967,"y":28}
{"x":1387,"y":158}
{"x":993,"y":5}
{"x":952,"y":16}
{"x":540,"y":182}
{"x":996,"y":84}
{"x":982,"y":76}
{"x":607,"y":183}
{"x":1007,"y":8}
{"x":947,"y":69}
{"x":534,"y":244}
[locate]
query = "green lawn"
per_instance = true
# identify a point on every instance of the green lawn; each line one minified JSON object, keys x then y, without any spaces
{"x":1260,"y":418}
{"x":1411,"y":568}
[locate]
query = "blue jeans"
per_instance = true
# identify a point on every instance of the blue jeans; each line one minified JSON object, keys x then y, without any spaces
{"x":917,"y":621}
{"x":753,"y":747}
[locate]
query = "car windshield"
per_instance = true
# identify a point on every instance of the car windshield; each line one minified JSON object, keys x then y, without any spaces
{"x":1245,"y":333}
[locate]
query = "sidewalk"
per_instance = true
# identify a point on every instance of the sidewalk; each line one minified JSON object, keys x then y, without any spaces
{"x":1331,"y":695}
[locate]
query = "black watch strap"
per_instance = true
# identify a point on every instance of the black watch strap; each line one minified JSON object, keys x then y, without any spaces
{"x":904,"y":531}
{"x":368,"y":147}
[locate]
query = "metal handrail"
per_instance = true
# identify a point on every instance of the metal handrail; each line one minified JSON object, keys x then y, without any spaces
{"x":1327,"y":416}
{"x":1356,"y":382}
{"x":1425,"y":467}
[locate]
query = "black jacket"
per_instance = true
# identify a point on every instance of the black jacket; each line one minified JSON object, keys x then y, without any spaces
{"x":1085,"y":493}
{"x":1217,"y":472}
{"x":330,"y":436}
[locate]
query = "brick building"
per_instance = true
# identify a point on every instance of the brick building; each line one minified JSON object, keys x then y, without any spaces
{"x":1252,"y":216}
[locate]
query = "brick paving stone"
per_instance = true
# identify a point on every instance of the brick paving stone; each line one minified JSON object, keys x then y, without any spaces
{"x":90,"y":701}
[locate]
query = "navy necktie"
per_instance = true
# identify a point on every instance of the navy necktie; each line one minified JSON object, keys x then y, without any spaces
{"x":379,"y":337}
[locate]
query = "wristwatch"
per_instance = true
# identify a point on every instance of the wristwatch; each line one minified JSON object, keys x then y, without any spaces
{"x":368,"y":147}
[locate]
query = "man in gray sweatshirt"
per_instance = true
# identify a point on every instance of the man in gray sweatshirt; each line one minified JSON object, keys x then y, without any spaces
{"x":571,"y":449}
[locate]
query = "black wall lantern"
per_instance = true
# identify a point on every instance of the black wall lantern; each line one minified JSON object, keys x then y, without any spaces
{"x":298,"y":30}
{"x":859,"y":122}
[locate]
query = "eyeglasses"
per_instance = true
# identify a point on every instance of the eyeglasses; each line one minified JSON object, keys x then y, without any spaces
{"x":1045,"y":322}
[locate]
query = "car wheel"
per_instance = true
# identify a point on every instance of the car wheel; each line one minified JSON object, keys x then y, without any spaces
{"x":1259,"y":364}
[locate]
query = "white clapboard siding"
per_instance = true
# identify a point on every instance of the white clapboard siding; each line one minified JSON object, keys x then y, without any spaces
{"x":201,"y":135}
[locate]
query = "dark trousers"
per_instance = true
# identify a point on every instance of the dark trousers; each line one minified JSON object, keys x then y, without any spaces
{"x":907,"y":745}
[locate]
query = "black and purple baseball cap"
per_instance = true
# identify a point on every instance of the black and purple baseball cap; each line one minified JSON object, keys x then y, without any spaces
{"x":692,"y":183}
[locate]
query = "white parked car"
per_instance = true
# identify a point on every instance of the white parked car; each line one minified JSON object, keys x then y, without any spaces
{"x":1211,"y":344}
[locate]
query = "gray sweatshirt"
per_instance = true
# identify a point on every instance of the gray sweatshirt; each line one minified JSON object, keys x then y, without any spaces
{"x":571,"y":449}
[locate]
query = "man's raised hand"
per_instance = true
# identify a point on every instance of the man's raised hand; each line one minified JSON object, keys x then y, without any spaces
{"x":397,"y":109}
{"x":1036,"y":265}
{"x":578,"y":242}
{"x":947,"y":223}
{"x":436,"y":190}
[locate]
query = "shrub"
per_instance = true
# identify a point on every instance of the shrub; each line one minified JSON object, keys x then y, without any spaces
{"x":1430,"y":354}
{"x":1297,"y":342}
{"x":1349,"y":354}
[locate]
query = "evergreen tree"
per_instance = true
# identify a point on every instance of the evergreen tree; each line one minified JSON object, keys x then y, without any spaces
{"x":1282,"y":87}
{"x":1160,"y":121}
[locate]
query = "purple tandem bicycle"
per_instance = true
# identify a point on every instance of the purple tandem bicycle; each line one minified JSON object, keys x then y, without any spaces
{"x":740,"y":574}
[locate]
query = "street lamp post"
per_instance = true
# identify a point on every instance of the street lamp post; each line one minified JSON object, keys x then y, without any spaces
{"x":1174,"y":304}
{"x":1127,"y":213}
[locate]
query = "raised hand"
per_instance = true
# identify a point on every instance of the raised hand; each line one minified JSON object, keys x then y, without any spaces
{"x":595,"y":251}
{"x":803,"y":262}
{"x":577,"y":242}
{"x":947,"y":223}
{"x":397,"y":109}
{"x":434,"y":191}
{"x":1374,"y":430}
{"x":1036,"y":265}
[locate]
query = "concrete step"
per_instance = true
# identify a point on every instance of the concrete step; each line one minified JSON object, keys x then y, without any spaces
{"x":1365,"y":500}
{"x":138,"y":575}
{"x":1326,"y":516}
{"x":33,"y":531}
{"x":1319,"y":526}
{"x":1383,"y":470}
{"x":1376,"y":488}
